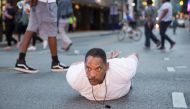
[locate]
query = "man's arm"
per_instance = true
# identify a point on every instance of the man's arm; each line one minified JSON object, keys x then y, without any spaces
{"x":165,"y":11}
{"x":6,"y":14}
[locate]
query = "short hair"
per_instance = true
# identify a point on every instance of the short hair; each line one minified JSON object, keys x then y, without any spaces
{"x":149,"y":2}
{"x":97,"y":52}
{"x":10,"y":2}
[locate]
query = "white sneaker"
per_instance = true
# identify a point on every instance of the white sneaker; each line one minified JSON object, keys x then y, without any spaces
{"x":32,"y":48}
{"x":45,"y":43}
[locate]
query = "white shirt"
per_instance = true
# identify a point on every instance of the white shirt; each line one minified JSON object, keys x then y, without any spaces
{"x":48,"y":1}
{"x":118,"y":79}
{"x":168,"y":17}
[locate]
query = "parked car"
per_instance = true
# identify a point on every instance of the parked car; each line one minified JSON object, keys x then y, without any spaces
{"x":181,"y":22}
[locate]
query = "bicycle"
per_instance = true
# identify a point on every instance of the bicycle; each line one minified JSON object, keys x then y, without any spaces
{"x":133,"y":32}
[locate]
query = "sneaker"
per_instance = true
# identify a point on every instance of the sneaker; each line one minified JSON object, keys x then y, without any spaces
{"x":172,"y":45}
{"x":8,"y":48}
{"x":32,"y":48}
{"x":161,"y":48}
{"x":45,"y":44}
{"x":59,"y":68}
{"x":158,"y":44}
{"x":23,"y":67}
{"x":67,"y":49}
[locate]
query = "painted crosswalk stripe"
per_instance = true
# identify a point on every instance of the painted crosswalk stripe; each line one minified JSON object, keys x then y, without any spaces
{"x":181,"y":67}
{"x":170,"y":69}
{"x":178,"y":100}
{"x":166,"y":59}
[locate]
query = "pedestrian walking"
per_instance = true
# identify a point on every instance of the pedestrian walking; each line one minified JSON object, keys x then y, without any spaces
{"x":72,"y":23}
{"x":9,"y":19}
{"x":150,"y":15}
{"x":98,"y":78}
{"x":65,"y":10}
{"x":1,"y":29}
{"x":43,"y":18}
{"x":165,"y":18}
{"x":174,"y":25}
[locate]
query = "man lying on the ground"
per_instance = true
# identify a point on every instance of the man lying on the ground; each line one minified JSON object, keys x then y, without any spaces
{"x":100,"y":79}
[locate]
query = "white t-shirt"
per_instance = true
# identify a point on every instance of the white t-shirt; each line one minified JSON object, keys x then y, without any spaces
{"x":48,"y":1}
{"x":168,"y":17}
{"x":118,"y":79}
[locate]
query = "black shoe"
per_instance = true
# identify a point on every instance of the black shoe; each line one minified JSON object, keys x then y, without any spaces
{"x":59,"y":67}
{"x":69,"y":46}
{"x":172,"y":45}
{"x":147,"y":47}
{"x":23,"y":67}
{"x":161,"y":48}
{"x":158,"y":44}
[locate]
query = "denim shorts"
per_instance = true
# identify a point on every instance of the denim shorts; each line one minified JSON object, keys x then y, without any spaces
{"x":43,"y":19}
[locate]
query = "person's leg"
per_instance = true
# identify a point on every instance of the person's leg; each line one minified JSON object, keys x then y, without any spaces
{"x":52,"y":41}
{"x":48,"y":27}
{"x":172,"y":43}
{"x":56,"y":66}
{"x":174,"y":29}
{"x":154,"y":39}
{"x":33,"y":47}
{"x":38,"y":38}
{"x":147,"y":36}
{"x":34,"y":40}
{"x":31,"y":29}
{"x":163,"y":28}
{"x":7,"y":34}
{"x":65,"y":40}
{"x":26,"y":41}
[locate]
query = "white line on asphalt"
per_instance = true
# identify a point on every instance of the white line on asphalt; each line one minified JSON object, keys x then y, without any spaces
{"x":181,"y":67}
{"x":170,"y":69}
{"x":178,"y":100}
{"x":166,"y":59}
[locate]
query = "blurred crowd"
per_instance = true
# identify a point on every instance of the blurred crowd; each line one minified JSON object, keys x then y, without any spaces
{"x":14,"y":21}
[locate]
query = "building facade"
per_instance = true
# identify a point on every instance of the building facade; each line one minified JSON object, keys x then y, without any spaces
{"x":95,"y":14}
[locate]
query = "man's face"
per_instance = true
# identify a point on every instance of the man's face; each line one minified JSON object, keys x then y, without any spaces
{"x":95,"y":69}
{"x":162,"y":1}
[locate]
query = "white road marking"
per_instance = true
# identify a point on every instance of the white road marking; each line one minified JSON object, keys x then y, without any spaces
{"x":170,"y":69}
{"x":166,"y":59}
{"x":181,"y":67}
{"x":178,"y":100}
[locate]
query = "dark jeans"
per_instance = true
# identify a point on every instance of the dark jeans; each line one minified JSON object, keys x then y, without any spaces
{"x":149,"y":35}
{"x":35,"y":38}
{"x":9,"y":29}
{"x":163,"y":28}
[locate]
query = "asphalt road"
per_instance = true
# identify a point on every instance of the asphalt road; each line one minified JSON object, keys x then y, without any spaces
{"x":160,"y":75}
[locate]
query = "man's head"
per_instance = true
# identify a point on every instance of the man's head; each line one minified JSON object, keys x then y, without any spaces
{"x":96,"y":65}
{"x":149,"y":2}
{"x":165,"y":1}
{"x":9,"y":3}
